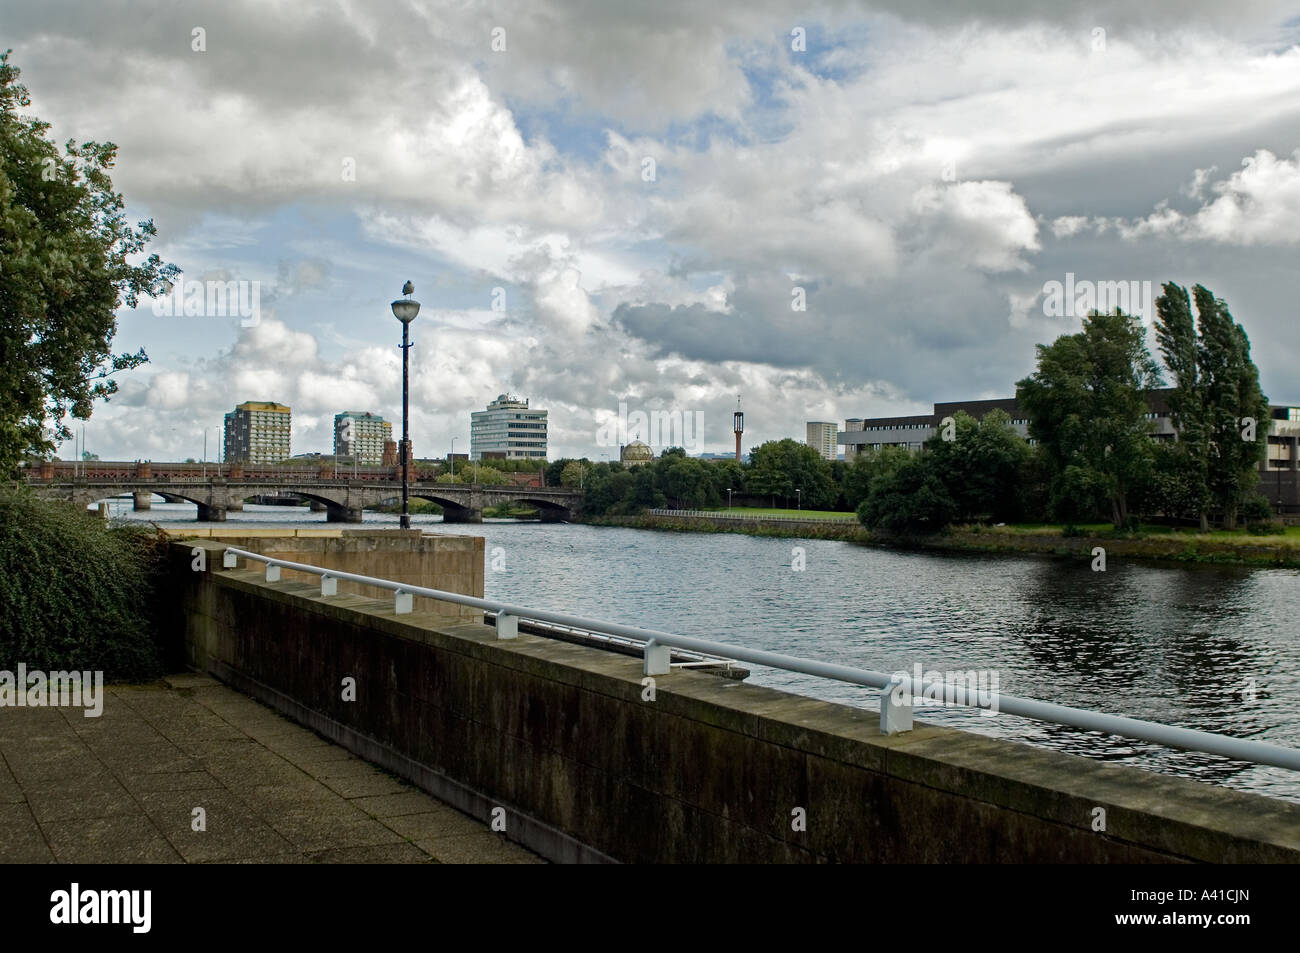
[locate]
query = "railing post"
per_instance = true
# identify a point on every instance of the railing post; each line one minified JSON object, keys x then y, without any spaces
{"x":507,"y":626}
{"x":272,"y":572}
{"x":229,"y":560}
{"x":403,"y":602}
{"x":895,"y":707}
{"x":329,"y":586}
{"x":657,"y":659}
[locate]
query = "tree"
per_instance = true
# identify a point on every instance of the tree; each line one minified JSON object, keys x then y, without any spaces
{"x":1087,"y":407}
{"x":866,"y":466}
{"x":1216,"y":404}
{"x":574,"y":473}
{"x":67,"y":256}
{"x":909,"y":500}
{"x":982,"y":465}
{"x":1236,"y":411}
{"x":1182,"y":471}
{"x":780,"y":467}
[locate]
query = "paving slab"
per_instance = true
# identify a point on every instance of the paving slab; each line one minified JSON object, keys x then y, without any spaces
{"x":123,"y":788}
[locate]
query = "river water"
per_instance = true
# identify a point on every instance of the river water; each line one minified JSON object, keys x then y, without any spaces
{"x":1213,"y":648}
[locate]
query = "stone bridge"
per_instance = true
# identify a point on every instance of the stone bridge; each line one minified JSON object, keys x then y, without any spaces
{"x":342,"y":499}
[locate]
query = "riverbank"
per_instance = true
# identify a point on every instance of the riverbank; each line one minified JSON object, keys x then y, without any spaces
{"x":1167,"y":545}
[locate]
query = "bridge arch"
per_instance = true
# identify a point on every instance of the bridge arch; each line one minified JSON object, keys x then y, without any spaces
{"x":452,"y":512}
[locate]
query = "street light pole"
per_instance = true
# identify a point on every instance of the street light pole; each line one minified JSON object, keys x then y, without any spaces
{"x":405,"y":310}
{"x":452,"y":460}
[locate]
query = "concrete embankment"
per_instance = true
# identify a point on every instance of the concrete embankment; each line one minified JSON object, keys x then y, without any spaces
{"x":583,"y":759}
{"x":1183,"y":546}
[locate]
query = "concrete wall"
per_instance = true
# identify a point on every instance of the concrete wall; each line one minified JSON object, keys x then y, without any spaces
{"x":560,"y":736}
{"x":435,"y":561}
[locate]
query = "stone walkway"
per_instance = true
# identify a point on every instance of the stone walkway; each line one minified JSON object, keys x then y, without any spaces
{"x":123,"y":788}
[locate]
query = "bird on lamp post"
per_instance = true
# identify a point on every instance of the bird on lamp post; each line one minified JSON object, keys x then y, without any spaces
{"x":405,"y":310}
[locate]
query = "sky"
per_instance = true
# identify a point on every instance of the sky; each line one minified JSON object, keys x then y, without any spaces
{"x":846,"y":209}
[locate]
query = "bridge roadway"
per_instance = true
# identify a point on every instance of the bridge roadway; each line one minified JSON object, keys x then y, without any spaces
{"x":216,"y":492}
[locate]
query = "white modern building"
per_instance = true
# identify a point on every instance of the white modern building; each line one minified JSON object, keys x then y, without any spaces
{"x":824,"y":437}
{"x":363,"y":434}
{"x":508,"y":429}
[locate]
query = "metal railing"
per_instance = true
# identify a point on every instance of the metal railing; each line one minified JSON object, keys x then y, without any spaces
{"x":740,"y":514}
{"x":897,"y":690}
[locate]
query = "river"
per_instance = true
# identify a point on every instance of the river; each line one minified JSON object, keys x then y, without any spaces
{"x":1213,"y":648}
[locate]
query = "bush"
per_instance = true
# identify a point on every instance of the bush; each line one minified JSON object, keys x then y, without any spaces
{"x":912,"y":500}
{"x":1256,"y":507}
{"x":76,"y":593}
{"x":1265,"y":527}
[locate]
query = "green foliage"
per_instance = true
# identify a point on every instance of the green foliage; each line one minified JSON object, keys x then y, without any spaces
{"x":1087,"y":407}
{"x":68,"y":264}
{"x":911,"y":500}
{"x":574,"y":473}
{"x":474,"y":473}
{"x":1256,"y":508}
{"x":1216,"y":388}
{"x":866,"y":466}
{"x":76,"y":593}
{"x":982,"y":466}
{"x":780,"y":467}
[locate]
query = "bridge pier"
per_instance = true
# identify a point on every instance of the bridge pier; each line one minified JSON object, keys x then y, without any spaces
{"x":214,"y":513}
{"x":236,"y":505}
{"x":142,"y":501}
{"x":340,"y":514}
{"x":461,"y":514}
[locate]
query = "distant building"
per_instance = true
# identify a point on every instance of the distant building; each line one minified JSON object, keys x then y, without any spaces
{"x":257,"y":432}
{"x":363,"y":434}
{"x":635,"y":454}
{"x":508,"y":426}
{"x":823,"y":436}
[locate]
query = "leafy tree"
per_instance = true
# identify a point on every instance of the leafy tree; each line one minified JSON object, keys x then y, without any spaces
{"x":687,"y":482}
{"x":981,"y":466}
{"x":910,"y":500}
{"x":780,"y":467}
{"x":470,"y":473}
{"x":1216,"y":394}
{"x":1087,"y":407}
{"x":1183,"y":471}
{"x":1229,"y":381}
{"x":866,"y":466}
{"x":574,"y":473}
{"x":67,"y":256}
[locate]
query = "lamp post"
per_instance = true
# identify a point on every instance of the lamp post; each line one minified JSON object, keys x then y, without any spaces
{"x":798,"y":495}
{"x":452,"y":459}
{"x":405,"y":310}
{"x":728,"y":497}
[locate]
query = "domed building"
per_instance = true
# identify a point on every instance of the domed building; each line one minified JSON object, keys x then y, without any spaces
{"x":635,"y":454}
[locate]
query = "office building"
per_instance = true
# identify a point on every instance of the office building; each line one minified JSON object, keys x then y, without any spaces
{"x":823,"y":437}
{"x":257,"y":432}
{"x":363,"y":434}
{"x":508,"y":429}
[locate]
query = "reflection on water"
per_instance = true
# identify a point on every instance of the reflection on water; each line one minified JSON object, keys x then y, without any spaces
{"x":1177,"y":644}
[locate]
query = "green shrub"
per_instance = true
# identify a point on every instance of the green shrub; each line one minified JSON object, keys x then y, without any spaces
{"x":1256,"y":507}
{"x":1259,"y":527}
{"x":76,"y":593}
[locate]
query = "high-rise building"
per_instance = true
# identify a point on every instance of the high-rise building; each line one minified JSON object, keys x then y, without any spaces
{"x":362,"y":434}
{"x":508,"y":427}
{"x":257,"y":432}
{"x":823,"y":437}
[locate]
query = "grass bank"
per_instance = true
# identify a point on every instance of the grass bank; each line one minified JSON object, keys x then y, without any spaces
{"x":1163,"y":543}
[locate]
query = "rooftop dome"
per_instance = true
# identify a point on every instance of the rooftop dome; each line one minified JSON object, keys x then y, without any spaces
{"x":636,"y":452}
